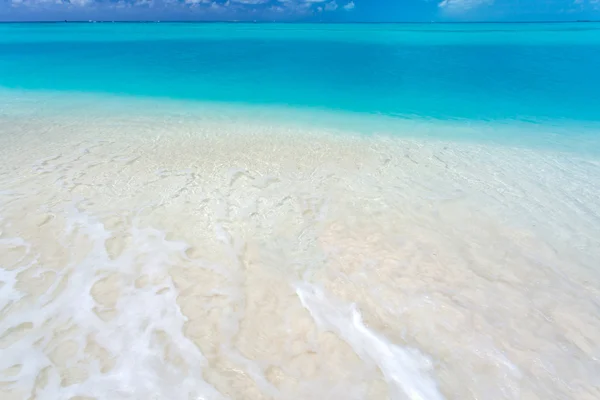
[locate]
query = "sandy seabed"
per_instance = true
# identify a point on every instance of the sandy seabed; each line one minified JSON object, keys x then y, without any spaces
{"x":166,"y":258}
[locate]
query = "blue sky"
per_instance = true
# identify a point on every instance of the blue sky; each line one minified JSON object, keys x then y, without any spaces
{"x":300,"y":10}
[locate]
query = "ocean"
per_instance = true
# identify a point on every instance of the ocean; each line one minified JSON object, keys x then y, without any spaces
{"x":299,"y":211}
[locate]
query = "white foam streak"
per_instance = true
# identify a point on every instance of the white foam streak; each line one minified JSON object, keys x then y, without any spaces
{"x":405,"y":370}
{"x":140,"y":369}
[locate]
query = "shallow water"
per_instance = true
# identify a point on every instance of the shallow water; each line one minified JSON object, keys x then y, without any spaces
{"x":191,"y":258}
{"x":162,"y":249}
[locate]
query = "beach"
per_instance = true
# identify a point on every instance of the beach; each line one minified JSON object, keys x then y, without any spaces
{"x":155,"y":248}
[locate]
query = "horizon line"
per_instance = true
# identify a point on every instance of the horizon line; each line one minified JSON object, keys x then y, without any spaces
{"x":77,"y":21}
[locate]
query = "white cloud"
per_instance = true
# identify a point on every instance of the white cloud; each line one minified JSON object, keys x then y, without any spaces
{"x":455,"y":6}
{"x":250,"y":1}
{"x":291,"y":7}
{"x":29,"y":3}
{"x":34,"y":3}
{"x":331,"y":6}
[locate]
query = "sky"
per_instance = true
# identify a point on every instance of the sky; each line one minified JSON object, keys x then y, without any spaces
{"x":301,"y":10}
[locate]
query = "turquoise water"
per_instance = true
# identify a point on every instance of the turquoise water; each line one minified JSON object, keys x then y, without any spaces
{"x":249,"y":211}
{"x":524,"y":72}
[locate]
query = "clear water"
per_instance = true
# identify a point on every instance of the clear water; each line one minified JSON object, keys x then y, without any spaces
{"x":473,"y":71}
{"x":209,"y":211}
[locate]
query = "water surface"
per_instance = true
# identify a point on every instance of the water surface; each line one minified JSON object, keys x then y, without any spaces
{"x":243,"y":211}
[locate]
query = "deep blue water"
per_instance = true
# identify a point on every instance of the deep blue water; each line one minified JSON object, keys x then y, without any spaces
{"x":472,"y":71}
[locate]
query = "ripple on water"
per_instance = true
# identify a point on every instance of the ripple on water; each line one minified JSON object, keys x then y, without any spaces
{"x":212,"y":260}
